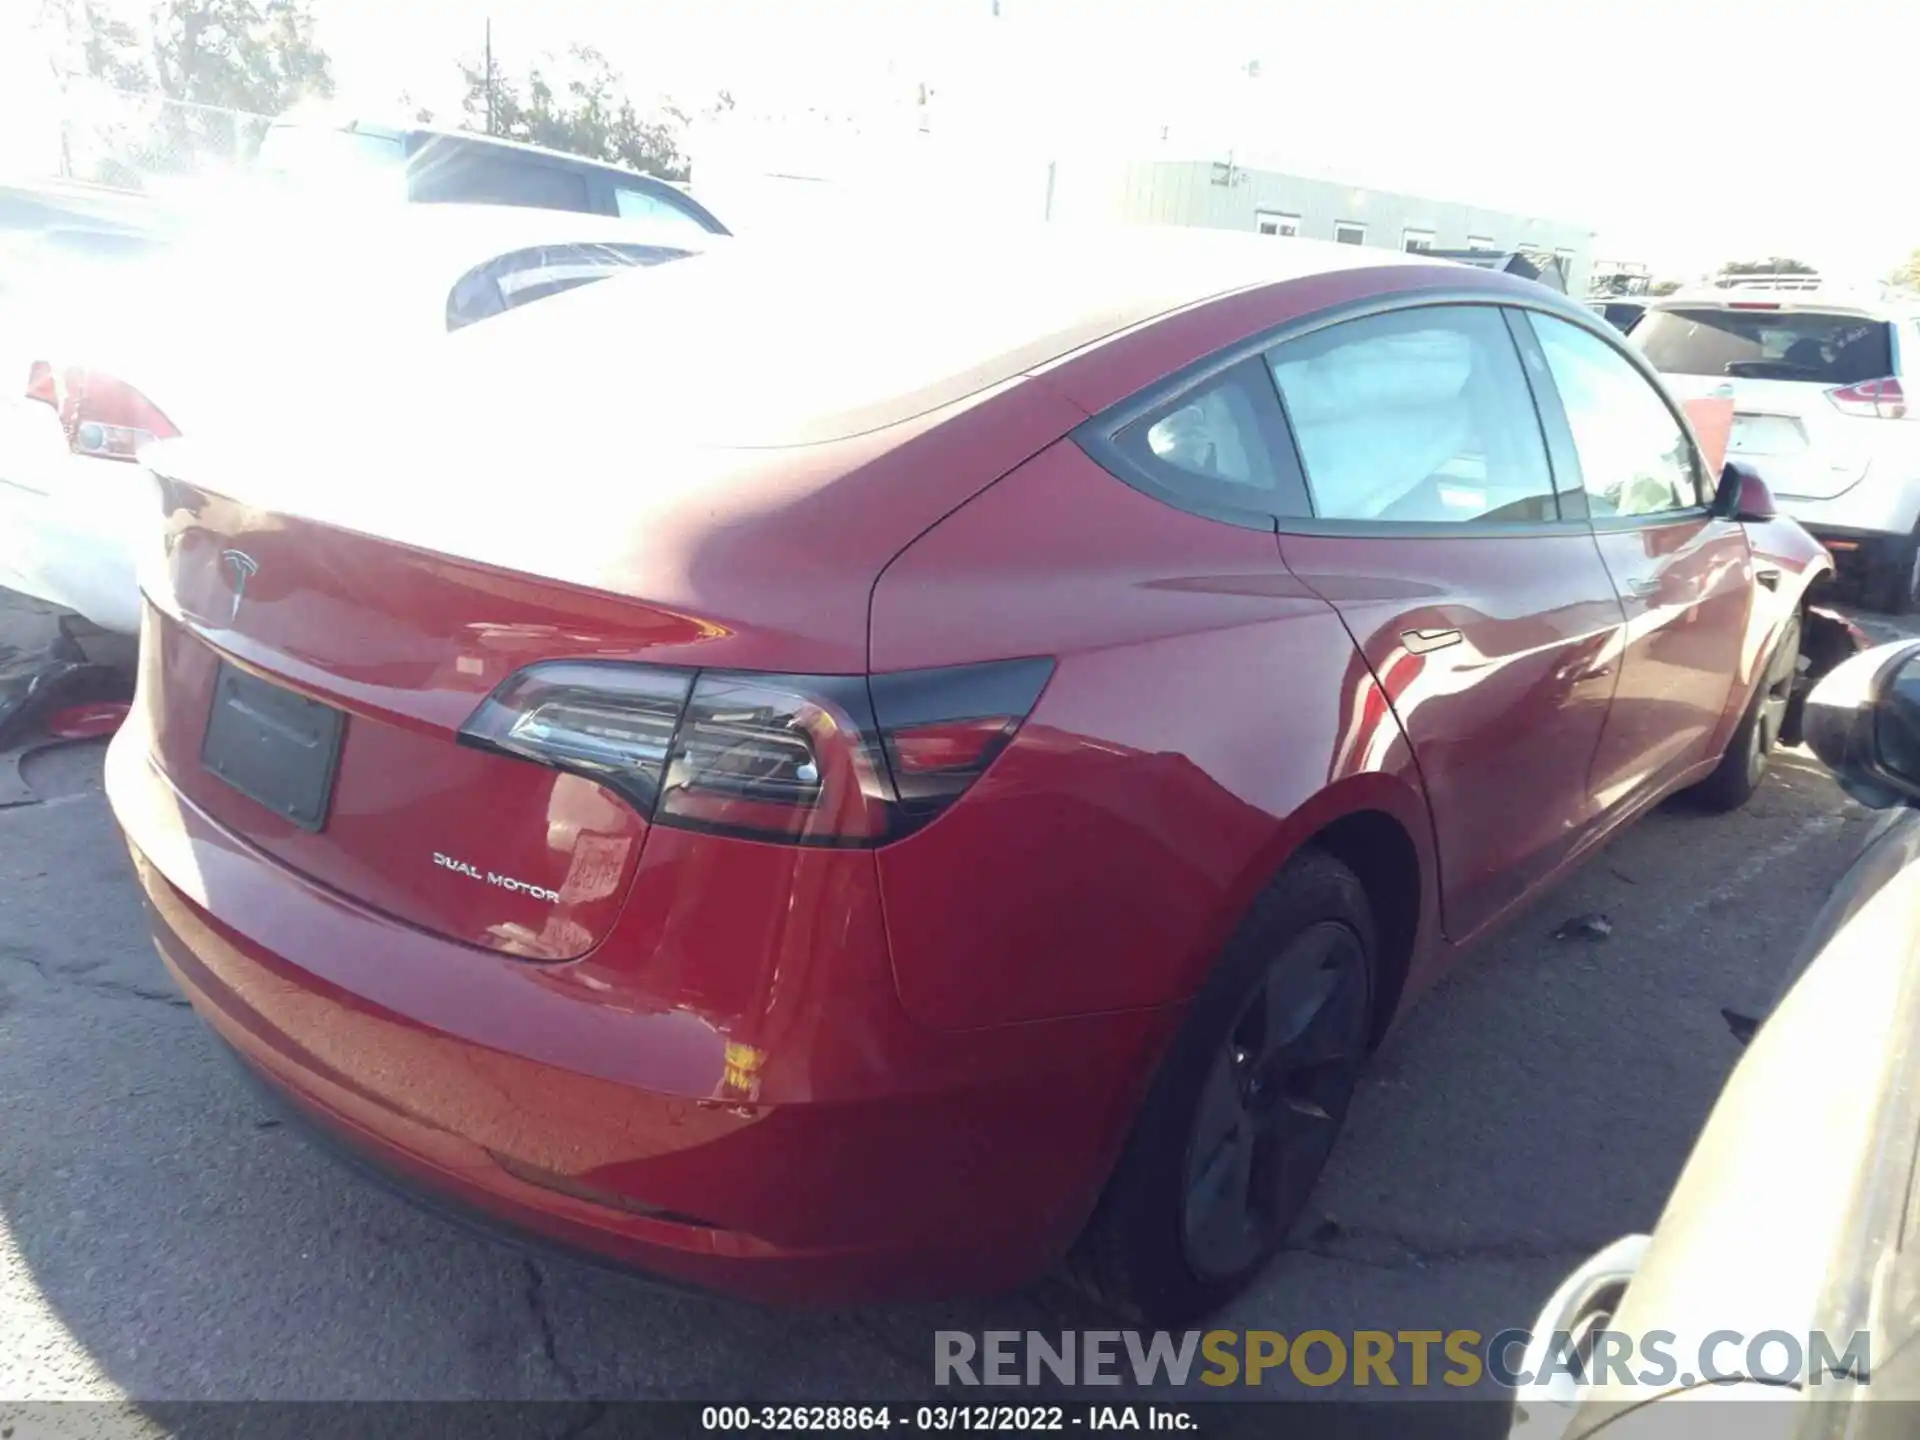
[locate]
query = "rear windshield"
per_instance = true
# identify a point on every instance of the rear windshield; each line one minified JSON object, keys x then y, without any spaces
{"x":1766,"y":345}
{"x":826,"y":336}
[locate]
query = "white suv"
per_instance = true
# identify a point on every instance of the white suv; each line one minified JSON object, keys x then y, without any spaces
{"x":1818,"y":378}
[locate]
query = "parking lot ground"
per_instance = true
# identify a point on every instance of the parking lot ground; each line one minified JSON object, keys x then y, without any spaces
{"x":161,"y":1237}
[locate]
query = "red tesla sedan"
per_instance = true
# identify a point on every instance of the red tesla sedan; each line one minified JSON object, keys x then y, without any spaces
{"x":861,"y":770}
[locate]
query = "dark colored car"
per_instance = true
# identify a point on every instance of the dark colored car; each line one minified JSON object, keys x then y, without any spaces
{"x":459,"y":167}
{"x":807,"y":775}
{"x":1541,"y":266}
{"x":1622,"y":314}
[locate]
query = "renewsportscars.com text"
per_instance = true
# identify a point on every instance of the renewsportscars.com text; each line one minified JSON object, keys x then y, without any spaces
{"x":1400,"y":1358}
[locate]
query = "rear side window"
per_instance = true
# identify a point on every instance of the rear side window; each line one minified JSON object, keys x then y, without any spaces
{"x":1766,"y":345}
{"x":470,"y":175}
{"x":637,"y":204}
{"x":1417,"y":416}
{"x":1217,"y":449}
{"x":1212,"y":434}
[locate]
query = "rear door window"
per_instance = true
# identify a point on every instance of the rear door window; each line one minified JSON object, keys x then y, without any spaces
{"x":1418,"y":416}
{"x":1823,"y":349}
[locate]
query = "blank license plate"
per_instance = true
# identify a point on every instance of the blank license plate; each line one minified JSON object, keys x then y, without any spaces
{"x":1767,"y":435}
{"x":273,"y":746}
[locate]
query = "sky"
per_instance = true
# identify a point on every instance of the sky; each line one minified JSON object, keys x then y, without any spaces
{"x":1684,"y":134}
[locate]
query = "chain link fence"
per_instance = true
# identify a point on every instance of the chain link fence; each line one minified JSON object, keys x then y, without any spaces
{"x":130,"y":141}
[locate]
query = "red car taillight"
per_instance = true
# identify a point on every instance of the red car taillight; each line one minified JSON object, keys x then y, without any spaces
{"x":40,"y":384}
{"x":779,"y":756}
{"x":843,"y":760}
{"x":1871,"y":399}
{"x":103,"y":416}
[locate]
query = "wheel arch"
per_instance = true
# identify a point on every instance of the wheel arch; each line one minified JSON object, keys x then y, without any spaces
{"x":1826,"y":638}
{"x":1378,"y":849}
{"x":1376,"y":824}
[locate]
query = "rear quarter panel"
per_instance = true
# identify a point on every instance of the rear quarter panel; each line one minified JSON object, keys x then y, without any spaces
{"x":1207,"y":715}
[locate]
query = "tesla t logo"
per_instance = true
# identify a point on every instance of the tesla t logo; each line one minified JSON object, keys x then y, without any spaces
{"x":242,"y":565}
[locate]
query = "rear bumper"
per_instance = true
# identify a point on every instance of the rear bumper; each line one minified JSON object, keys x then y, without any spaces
{"x":831,"y":1152}
{"x":1876,"y":504}
{"x":338,"y":1144}
{"x":68,"y":530}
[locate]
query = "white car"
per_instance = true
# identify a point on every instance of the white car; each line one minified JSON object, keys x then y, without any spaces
{"x":1818,"y":377}
{"x":274,"y":307}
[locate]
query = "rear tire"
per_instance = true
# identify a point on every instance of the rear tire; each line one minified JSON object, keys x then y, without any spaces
{"x":1744,"y":765}
{"x":1894,"y":588}
{"x":1245,"y":1108}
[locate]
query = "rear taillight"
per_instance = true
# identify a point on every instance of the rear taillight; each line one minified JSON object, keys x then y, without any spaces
{"x":780,"y":756}
{"x":103,"y":416}
{"x":613,"y":722}
{"x":841,"y":760}
{"x":40,"y":384}
{"x":1871,"y":399}
{"x":942,"y":728}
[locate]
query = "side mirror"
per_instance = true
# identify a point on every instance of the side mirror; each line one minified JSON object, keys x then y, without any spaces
{"x":1743,"y":495}
{"x":1863,"y":721}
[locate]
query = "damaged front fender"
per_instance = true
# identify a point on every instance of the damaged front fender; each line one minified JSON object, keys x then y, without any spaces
{"x":1826,"y":639}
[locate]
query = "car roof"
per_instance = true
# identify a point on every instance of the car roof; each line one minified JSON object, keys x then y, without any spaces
{"x":393,"y":131}
{"x":483,"y":231}
{"x":397,"y":264}
{"x":438,"y":239}
{"x":818,"y":337}
{"x":1793,"y":293}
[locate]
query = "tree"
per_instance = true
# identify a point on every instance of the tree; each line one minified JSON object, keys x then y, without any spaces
{"x":422,"y":114}
{"x":588,"y":113}
{"x":253,"y":56}
{"x":1772,"y":265}
{"x":1663,"y":287}
{"x":256,"y":55}
{"x":88,"y":40}
{"x":84,"y":41}
{"x":1908,"y":274}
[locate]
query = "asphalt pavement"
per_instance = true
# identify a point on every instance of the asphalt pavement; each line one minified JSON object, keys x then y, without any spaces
{"x":163,"y":1238}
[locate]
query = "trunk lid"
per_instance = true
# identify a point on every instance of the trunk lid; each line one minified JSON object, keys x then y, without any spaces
{"x":394,"y":649}
{"x":213,"y":327}
{"x":460,"y":524}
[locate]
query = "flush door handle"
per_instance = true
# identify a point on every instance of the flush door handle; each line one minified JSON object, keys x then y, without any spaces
{"x":1423,"y":642}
